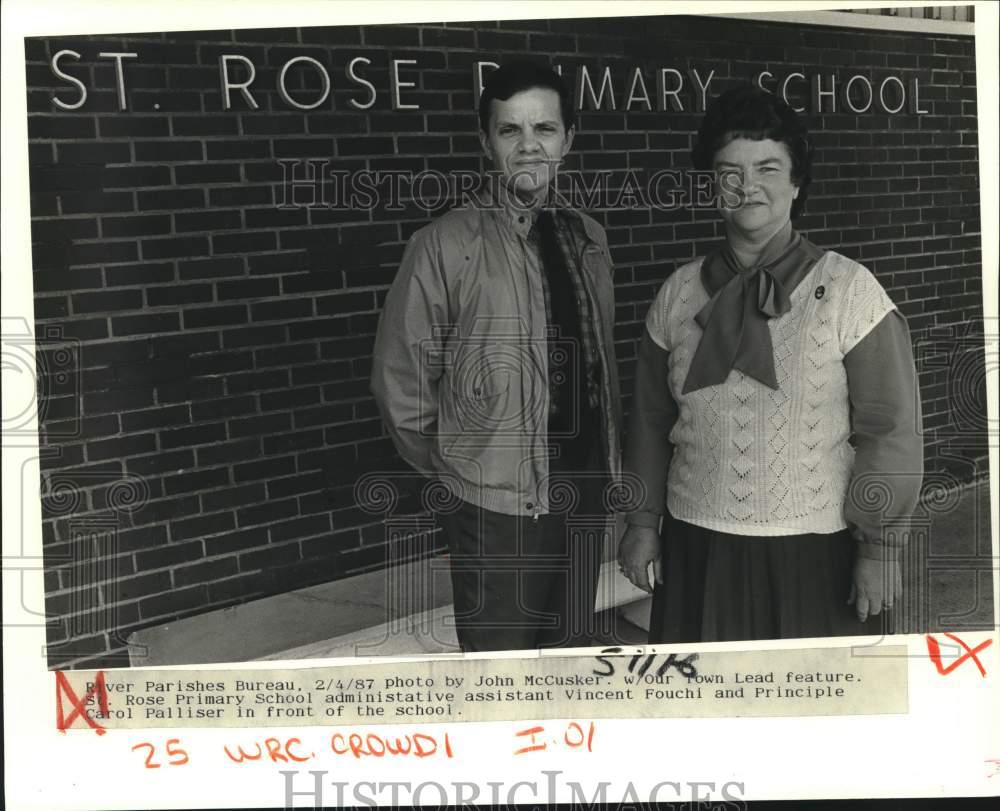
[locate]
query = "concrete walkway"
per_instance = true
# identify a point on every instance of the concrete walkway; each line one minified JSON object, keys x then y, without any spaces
{"x":948,"y":570}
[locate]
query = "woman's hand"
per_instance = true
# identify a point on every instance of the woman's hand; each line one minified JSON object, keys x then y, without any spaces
{"x":639,"y":548}
{"x":875,"y":585}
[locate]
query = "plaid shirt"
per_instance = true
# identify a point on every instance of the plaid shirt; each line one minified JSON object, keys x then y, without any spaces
{"x":572,"y":240}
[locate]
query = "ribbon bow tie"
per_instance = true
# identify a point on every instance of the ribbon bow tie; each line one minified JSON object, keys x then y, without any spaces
{"x":734,"y":321}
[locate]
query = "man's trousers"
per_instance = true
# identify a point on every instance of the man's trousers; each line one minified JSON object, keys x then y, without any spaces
{"x":529,"y":582}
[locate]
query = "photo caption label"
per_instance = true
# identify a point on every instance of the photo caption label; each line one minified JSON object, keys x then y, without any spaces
{"x":612,"y":684}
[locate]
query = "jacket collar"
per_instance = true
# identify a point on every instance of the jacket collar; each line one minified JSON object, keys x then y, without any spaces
{"x":520,"y":217}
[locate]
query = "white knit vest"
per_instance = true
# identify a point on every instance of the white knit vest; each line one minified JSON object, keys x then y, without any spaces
{"x":750,"y":460}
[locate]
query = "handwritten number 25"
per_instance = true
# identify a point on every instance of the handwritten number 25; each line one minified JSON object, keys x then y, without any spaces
{"x":178,"y":757}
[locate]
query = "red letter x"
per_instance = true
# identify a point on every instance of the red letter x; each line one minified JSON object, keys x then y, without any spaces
{"x":934,"y":651}
{"x":63,"y":689}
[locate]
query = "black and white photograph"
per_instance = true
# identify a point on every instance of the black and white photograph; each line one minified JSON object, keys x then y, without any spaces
{"x":441,"y":338}
{"x":309,"y":358}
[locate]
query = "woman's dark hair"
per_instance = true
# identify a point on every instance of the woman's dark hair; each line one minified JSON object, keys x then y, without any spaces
{"x":749,"y":112}
{"x":513,"y":77}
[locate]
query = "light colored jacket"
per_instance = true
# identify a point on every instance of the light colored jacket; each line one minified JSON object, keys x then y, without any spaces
{"x":460,"y":370}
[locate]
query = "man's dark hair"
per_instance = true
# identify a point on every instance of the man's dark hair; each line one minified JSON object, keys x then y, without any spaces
{"x":513,"y":77}
{"x":749,"y":112}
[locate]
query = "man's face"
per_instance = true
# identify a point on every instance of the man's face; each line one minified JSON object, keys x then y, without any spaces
{"x":527,"y":140}
{"x":758,"y":191}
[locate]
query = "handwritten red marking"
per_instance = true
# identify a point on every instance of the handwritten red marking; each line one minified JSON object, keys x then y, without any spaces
{"x":573,"y":725}
{"x":416,"y":744}
{"x":149,"y":755}
{"x":273,"y":746}
{"x":243,"y":755}
{"x":996,"y":766}
{"x":533,"y":747}
{"x":63,"y":690}
{"x":934,"y":651}
{"x":178,"y":757}
{"x":579,"y":737}
{"x":277,"y":750}
{"x":176,"y":752}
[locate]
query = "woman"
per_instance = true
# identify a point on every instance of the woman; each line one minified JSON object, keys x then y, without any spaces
{"x":776,"y":405}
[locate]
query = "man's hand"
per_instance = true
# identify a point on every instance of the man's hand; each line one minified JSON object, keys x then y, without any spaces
{"x":875,"y":585}
{"x":639,"y":547}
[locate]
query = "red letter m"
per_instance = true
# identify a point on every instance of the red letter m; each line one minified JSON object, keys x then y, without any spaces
{"x":64,"y":691}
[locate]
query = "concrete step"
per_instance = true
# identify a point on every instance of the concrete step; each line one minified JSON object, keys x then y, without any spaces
{"x":406,"y":610}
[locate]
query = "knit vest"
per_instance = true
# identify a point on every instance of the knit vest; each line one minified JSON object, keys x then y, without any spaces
{"x":751,"y":460}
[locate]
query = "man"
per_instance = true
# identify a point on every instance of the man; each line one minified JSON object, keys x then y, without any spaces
{"x":494,"y":371}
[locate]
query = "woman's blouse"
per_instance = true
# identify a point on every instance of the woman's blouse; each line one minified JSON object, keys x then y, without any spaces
{"x":835,"y":445}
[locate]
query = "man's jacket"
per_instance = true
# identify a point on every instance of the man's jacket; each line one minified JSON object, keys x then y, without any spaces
{"x":460,"y":370}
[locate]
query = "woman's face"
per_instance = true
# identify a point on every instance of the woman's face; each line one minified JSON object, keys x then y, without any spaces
{"x":755,"y":186}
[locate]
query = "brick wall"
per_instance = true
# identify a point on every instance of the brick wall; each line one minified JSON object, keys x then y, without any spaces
{"x":205,"y":411}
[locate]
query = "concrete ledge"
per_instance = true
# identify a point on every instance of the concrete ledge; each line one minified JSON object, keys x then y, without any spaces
{"x":256,"y":629}
{"x":434,"y":631}
{"x":389,"y":612}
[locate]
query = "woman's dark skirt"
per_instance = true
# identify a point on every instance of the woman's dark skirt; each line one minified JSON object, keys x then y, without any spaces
{"x":720,"y":587}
